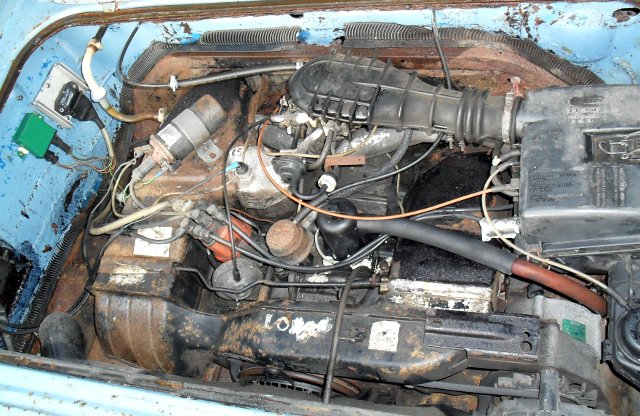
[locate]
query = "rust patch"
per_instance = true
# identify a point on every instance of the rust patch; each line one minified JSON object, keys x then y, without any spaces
{"x":465,"y":403}
{"x":186,"y":27}
{"x":238,"y":335}
{"x":351,"y":160}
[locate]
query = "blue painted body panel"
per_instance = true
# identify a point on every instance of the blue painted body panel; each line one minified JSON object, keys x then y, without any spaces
{"x":39,"y":200}
{"x":25,"y":391}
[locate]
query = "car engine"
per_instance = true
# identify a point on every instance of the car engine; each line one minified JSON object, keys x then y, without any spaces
{"x":361,"y":223}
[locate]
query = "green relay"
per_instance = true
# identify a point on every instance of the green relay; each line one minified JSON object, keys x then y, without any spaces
{"x":34,"y":134}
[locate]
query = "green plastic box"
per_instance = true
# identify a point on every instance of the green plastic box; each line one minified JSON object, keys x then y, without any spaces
{"x":34,"y":134}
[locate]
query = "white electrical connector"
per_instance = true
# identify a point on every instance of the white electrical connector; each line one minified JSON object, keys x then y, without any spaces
{"x":329,"y":181}
{"x":173,"y":83}
{"x":507,"y":227}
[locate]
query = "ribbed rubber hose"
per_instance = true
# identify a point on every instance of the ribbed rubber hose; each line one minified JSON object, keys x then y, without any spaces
{"x":360,"y":33}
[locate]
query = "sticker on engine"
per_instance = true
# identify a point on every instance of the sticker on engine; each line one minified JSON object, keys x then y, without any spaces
{"x":575,"y":330}
{"x":144,"y":248}
{"x":384,"y":336}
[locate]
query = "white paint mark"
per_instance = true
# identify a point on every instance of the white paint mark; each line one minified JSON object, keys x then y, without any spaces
{"x":129,"y":269}
{"x":143,"y":248}
{"x":384,"y":336}
{"x":304,"y":331}
{"x":283,"y":323}
{"x":317,"y":278}
{"x":267,"y":321}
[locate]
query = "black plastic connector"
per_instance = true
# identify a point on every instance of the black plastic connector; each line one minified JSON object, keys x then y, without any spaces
{"x":60,"y":144}
{"x":51,"y":157}
{"x":71,"y":101}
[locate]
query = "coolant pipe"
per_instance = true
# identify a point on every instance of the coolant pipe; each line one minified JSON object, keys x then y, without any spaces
{"x":99,"y":93}
{"x":488,"y":255}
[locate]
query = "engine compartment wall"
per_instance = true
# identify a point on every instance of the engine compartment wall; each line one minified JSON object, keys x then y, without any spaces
{"x":40,"y":201}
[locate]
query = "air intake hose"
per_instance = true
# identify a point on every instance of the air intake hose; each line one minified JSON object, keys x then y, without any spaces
{"x":354,"y":89}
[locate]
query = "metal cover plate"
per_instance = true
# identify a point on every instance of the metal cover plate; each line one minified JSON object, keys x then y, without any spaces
{"x":46,"y":98}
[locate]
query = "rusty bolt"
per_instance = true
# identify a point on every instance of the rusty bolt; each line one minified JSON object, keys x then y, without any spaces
{"x":384,"y":286}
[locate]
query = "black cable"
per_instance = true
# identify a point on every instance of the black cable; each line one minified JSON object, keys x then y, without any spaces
{"x":323,"y":153}
{"x":307,"y":197}
{"x":361,"y":284}
{"x":335,"y":337}
{"x":436,"y":38}
{"x":119,"y":72}
{"x":82,"y":300}
{"x":225,"y":193}
{"x":359,"y":255}
{"x":8,"y":329}
{"x":460,"y":212}
{"x":18,"y":330}
{"x":304,"y":211}
{"x":178,"y":235}
{"x":318,"y":202}
{"x":432,"y":216}
{"x":246,"y":220}
{"x":262,"y":251}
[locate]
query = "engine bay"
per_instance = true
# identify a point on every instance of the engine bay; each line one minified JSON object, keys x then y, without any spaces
{"x":411,"y":220}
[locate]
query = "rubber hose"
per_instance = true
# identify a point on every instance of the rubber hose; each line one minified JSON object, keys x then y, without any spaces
{"x":453,"y":242}
{"x":488,"y":255}
{"x":324,"y":153}
{"x":468,"y":38}
{"x":560,"y":284}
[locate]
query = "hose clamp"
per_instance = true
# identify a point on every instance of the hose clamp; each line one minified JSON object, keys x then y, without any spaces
{"x":509,"y":101}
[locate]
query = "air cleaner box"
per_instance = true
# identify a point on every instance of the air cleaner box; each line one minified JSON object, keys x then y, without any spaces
{"x":580,"y":170}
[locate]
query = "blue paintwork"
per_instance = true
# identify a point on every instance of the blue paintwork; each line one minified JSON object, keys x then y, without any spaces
{"x":25,"y":391}
{"x":584,"y":33}
{"x":32,"y":190}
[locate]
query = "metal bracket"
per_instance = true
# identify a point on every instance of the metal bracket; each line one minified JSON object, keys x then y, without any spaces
{"x":209,"y":152}
{"x":509,"y":101}
{"x":46,"y":98}
{"x":109,"y":6}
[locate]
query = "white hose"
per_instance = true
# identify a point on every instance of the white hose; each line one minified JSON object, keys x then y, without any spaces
{"x":97,"y":91}
{"x":108,"y":143}
{"x":124,"y":221}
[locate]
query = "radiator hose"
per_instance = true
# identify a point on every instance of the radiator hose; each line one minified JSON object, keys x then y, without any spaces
{"x":488,"y":255}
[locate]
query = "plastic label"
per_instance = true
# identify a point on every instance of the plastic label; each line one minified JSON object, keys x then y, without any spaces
{"x":575,"y":330}
{"x":384,"y":336}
